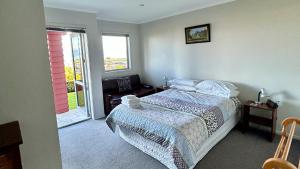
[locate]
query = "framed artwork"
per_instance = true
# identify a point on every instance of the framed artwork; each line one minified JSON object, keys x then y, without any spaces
{"x":197,"y":34}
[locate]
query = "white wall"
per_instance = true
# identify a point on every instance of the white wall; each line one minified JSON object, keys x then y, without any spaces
{"x":254,"y":44}
{"x":135,"y":55}
{"x":66,"y":18}
{"x":26,"y":92}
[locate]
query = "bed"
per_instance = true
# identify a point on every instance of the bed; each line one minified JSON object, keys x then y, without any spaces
{"x":176,"y":127}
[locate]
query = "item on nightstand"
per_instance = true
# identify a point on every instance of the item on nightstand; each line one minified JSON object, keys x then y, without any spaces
{"x":262,"y":93}
{"x":272,"y":104}
{"x":131,"y":101}
{"x":147,"y":86}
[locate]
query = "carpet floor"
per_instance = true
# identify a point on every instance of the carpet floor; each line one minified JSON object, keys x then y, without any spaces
{"x":92,"y":145}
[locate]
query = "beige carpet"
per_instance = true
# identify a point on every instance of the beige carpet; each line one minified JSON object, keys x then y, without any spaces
{"x":91,"y":145}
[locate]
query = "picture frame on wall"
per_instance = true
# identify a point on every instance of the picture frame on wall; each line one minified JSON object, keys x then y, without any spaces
{"x":197,"y":34}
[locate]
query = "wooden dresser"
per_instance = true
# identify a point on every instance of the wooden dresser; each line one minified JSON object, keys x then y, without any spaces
{"x":10,"y":139}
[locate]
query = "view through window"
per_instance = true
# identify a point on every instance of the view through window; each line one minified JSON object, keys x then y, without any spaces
{"x":116,"y":52}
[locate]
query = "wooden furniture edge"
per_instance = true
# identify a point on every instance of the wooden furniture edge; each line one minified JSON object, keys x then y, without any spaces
{"x":11,"y":134}
{"x":281,"y":154}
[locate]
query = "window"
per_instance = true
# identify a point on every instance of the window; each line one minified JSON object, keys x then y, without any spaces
{"x":116,"y":52}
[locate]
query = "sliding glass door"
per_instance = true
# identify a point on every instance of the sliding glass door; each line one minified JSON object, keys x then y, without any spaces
{"x":80,"y":69}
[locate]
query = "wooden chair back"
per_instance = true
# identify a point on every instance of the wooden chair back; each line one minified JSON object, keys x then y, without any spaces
{"x":279,"y":161}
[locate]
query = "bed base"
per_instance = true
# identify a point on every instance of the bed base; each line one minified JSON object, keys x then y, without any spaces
{"x":158,"y":152}
{"x":279,"y":161}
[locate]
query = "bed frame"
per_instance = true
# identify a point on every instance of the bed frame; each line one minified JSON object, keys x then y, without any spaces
{"x":280,"y":158}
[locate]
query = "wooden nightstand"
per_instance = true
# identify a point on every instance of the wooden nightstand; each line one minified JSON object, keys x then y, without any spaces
{"x":269,"y":122}
{"x":11,"y":138}
{"x":161,"y":88}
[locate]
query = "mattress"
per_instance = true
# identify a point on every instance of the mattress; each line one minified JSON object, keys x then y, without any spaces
{"x":161,"y":155}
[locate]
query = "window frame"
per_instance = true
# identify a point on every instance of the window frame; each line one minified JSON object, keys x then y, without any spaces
{"x":127,"y":51}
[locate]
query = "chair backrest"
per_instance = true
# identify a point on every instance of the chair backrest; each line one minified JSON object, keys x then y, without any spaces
{"x":280,"y":159}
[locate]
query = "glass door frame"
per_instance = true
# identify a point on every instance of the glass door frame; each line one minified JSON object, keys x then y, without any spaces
{"x":83,"y":60}
{"x":84,"y":52}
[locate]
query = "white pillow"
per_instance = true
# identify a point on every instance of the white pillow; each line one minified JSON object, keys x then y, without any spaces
{"x":184,"y":88}
{"x":233,"y":93}
{"x":230,"y":86}
{"x":216,"y":84}
{"x":217,"y":88}
{"x":186,"y":82}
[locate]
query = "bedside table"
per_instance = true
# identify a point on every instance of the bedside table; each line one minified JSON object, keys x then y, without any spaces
{"x":269,"y":122}
{"x":161,"y":88}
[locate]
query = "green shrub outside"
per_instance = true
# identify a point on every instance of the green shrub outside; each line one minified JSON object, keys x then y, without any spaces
{"x":70,"y":86}
{"x":69,"y":72}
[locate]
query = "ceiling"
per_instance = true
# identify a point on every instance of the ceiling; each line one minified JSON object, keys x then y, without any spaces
{"x":133,"y":11}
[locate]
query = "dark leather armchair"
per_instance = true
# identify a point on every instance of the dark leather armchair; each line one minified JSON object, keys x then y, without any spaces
{"x":112,"y":96}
